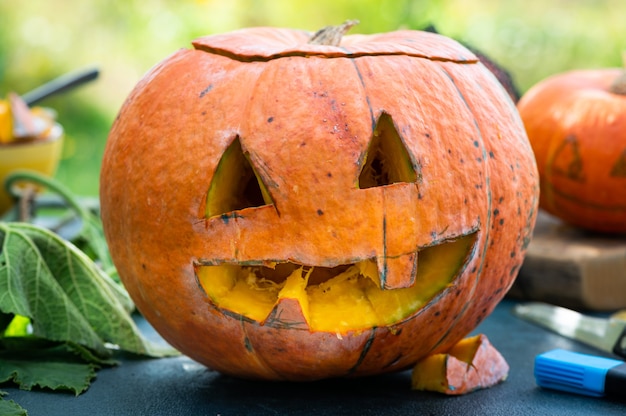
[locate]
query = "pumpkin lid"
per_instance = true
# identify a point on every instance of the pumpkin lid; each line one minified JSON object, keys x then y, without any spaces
{"x":266,"y":43}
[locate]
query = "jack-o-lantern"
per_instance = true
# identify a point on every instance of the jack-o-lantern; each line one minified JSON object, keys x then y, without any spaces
{"x":576,"y":124}
{"x":289,"y":210}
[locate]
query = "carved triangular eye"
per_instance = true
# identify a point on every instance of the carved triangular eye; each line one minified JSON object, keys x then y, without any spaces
{"x":235,"y":184}
{"x":567,"y":160}
{"x":387,"y":160}
{"x":619,"y":168}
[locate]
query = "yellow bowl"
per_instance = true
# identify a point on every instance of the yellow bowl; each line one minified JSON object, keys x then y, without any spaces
{"x":40,"y":155}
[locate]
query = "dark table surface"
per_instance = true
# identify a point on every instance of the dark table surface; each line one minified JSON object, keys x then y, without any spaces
{"x":179,"y":386}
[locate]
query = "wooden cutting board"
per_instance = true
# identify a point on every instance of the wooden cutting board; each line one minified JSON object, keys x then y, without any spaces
{"x":574,"y":268}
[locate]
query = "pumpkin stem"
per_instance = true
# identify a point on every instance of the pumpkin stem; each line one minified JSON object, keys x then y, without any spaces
{"x":331,"y":35}
{"x":619,"y":84}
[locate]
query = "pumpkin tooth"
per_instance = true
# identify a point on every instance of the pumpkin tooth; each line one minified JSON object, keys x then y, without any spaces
{"x":397,"y":272}
{"x":292,"y":307}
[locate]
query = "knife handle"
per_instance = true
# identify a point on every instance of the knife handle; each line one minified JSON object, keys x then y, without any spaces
{"x":620,"y":345}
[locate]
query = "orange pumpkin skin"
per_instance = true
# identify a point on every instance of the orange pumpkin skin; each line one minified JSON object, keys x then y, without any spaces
{"x":304,"y":116}
{"x":577,"y":128}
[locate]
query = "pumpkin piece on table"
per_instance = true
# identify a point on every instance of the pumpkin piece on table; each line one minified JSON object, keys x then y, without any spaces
{"x":472,"y":364}
{"x":293,"y":211}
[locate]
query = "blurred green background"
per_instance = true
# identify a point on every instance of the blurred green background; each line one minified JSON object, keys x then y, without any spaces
{"x":42,"y":39}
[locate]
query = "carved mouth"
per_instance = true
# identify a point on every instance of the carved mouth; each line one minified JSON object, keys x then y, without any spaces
{"x":338,"y":299}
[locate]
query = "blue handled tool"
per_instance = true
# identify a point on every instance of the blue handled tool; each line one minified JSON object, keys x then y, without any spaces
{"x":584,"y":374}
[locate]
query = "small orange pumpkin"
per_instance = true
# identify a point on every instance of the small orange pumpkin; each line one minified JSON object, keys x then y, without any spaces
{"x":286,"y":210}
{"x":576,"y":124}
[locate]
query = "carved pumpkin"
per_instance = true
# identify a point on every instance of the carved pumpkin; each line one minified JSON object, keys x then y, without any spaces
{"x":285,"y":210}
{"x":576,"y":124}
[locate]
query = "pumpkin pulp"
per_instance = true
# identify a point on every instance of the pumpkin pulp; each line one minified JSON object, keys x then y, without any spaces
{"x":340,"y":299}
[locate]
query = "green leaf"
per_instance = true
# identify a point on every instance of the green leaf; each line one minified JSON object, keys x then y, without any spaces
{"x":29,"y":288}
{"x":65,"y":294}
{"x":10,"y":408}
{"x":35,"y":347}
{"x":92,"y":238}
{"x":55,"y":375}
{"x":34,"y":362}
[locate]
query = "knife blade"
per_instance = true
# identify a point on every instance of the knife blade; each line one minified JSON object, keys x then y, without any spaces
{"x":606,"y":334}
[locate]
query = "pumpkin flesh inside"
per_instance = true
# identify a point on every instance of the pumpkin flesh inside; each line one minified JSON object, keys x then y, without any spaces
{"x":339,"y":299}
